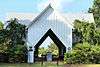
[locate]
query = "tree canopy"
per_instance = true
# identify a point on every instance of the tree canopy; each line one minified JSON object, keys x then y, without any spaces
{"x":51,"y":48}
{"x":12,"y":41}
{"x":17,"y":32}
{"x":86,"y":32}
{"x":96,"y":11}
{"x":1,"y":25}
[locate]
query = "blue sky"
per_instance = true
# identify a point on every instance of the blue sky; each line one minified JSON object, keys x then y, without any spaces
{"x":47,"y":42}
{"x":36,"y":6}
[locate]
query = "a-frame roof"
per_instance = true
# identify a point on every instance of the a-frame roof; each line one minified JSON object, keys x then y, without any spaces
{"x":36,"y":18}
{"x":44,"y":11}
{"x":29,"y":19}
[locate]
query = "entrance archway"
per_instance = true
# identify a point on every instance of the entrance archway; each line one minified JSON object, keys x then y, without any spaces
{"x":60,"y":45}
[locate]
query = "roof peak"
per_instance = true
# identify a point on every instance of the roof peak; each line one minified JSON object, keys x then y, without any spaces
{"x":52,"y":6}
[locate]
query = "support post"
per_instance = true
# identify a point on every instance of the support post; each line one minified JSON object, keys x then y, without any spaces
{"x":42,"y":60}
{"x":57,"y":61}
{"x":30,"y":55}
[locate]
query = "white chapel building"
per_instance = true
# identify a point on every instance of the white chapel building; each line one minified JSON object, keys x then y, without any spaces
{"x":50,"y":23}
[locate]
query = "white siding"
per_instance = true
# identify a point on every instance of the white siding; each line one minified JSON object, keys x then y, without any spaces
{"x":51,"y":20}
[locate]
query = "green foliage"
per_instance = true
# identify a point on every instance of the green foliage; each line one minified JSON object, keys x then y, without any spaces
{"x":96,"y":11}
{"x":42,"y":51}
{"x":97,"y":36}
{"x":51,"y":48}
{"x":85,"y":31}
{"x":17,"y":54}
{"x":83,"y":54}
{"x":16,"y":48}
{"x":12,"y":41}
{"x":17,"y":32}
{"x":4,"y":40}
{"x":1,"y":25}
{"x":2,"y":36}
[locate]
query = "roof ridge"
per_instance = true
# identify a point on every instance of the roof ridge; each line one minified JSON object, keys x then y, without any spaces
{"x":37,"y":17}
{"x":64,"y":17}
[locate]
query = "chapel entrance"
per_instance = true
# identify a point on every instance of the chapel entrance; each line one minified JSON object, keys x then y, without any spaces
{"x":55,"y":39}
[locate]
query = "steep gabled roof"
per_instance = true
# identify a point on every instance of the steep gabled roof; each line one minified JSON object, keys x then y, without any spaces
{"x":44,"y":11}
{"x":29,"y":19}
{"x":23,"y":18}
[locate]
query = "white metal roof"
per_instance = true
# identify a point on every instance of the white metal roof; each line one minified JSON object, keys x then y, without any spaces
{"x":28,"y":18}
{"x":88,"y":17}
{"x":24,"y":18}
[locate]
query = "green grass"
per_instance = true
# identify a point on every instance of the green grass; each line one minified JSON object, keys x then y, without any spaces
{"x":46,"y":64}
{"x":82,"y":65}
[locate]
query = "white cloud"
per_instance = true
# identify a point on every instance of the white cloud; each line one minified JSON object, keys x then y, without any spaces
{"x":58,"y":4}
{"x":42,"y":5}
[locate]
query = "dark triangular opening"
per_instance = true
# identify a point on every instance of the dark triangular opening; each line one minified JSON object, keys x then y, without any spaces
{"x":55,"y":39}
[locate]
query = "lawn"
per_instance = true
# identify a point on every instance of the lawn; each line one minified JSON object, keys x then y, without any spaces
{"x":46,"y":64}
{"x":82,"y":65}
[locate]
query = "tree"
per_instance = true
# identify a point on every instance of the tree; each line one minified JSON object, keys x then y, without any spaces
{"x":97,"y":36}
{"x":17,"y":35}
{"x":96,"y":11}
{"x":17,"y":32}
{"x":85,"y":31}
{"x":53,"y":49}
{"x":42,"y":51}
{"x":1,"y":25}
{"x":12,"y":41}
{"x":4,"y":40}
{"x":83,"y":53}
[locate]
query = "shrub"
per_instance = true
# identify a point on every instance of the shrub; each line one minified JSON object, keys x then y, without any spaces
{"x":83,"y":54}
{"x":12,"y":41}
{"x":17,"y":54}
